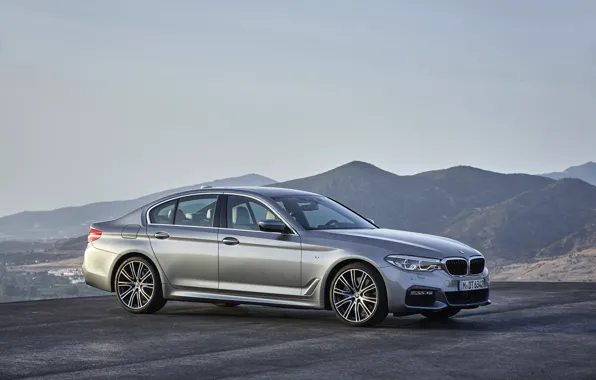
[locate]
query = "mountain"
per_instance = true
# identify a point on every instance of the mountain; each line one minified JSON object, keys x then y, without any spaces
{"x":516,"y":220}
{"x":586,"y":172}
{"x":74,"y":221}
{"x":423,"y":202}
{"x":551,"y":221}
{"x":509,"y":217}
{"x":582,"y":240}
{"x":577,"y":266}
{"x":14,"y":246}
{"x":72,"y":244}
{"x":76,"y":244}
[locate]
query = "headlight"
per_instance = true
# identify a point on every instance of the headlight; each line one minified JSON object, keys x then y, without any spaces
{"x":412,"y":263}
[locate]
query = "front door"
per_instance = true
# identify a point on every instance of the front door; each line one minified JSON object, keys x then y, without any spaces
{"x":254,"y":261}
{"x":184,"y":240}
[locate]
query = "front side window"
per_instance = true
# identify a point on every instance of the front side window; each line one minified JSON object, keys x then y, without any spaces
{"x":321,"y":213}
{"x":198,"y":211}
{"x":245,"y":213}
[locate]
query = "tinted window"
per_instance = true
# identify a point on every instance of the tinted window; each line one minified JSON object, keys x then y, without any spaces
{"x":196,"y":211}
{"x":163,"y":214}
{"x":245,"y":213}
{"x":321,"y":213}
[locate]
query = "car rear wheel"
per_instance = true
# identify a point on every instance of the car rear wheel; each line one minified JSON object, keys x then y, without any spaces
{"x":441,"y":315}
{"x":138,"y":287}
{"x":358,"y":295}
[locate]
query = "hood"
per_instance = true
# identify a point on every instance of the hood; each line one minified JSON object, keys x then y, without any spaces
{"x":404,"y":242}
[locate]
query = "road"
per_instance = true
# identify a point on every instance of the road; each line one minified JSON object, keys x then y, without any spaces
{"x":532,"y":331}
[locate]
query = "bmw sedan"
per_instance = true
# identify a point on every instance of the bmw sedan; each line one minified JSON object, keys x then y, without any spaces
{"x":280,"y":247}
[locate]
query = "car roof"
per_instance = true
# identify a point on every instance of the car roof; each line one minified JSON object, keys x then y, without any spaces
{"x":268,"y":191}
{"x":249,"y":190}
{"x":263,"y":190}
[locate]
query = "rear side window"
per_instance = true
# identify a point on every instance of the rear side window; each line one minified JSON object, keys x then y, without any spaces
{"x":196,"y":211}
{"x":164,"y":213}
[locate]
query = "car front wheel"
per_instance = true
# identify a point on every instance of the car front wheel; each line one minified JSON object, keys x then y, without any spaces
{"x":358,"y":295}
{"x":138,"y":287}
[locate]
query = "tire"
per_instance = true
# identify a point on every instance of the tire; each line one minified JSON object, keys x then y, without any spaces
{"x":441,"y":315}
{"x":132,"y":294}
{"x":359,"y":311}
{"x":226,"y":304}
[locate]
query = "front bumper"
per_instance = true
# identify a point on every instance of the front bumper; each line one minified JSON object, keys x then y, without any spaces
{"x":444,"y":287}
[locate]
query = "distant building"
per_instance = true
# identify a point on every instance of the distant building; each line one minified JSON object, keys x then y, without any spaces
{"x":74,"y":275}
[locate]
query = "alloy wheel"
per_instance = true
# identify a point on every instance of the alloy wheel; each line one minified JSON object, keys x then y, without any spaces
{"x":135,"y":284}
{"x":355,"y":295}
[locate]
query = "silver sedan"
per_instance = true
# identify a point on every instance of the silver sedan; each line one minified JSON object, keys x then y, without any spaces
{"x":280,"y":247}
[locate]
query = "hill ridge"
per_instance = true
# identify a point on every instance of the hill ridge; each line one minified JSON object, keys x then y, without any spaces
{"x":71,"y":221}
{"x":509,"y":217}
{"x":586,"y":172}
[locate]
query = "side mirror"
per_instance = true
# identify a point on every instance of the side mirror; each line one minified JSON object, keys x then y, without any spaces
{"x":370,"y":220}
{"x":272,"y":225}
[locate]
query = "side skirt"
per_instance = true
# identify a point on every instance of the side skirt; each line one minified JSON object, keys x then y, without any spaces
{"x":213,"y":295}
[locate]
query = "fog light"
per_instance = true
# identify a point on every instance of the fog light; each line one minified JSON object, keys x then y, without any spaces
{"x":422,"y":292}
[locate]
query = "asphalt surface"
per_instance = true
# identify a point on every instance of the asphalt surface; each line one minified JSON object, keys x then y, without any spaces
{"x":532,"y":331}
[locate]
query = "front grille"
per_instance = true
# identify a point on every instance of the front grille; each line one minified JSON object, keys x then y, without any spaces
{"x":469,"y":297}
{"x":457,"y":267}
{"x":477,"y":266}
{"x":425,"y":300}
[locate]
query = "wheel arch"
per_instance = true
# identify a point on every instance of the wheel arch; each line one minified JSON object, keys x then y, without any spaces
{"x":127,"y":256}
{"x":336,"y":268}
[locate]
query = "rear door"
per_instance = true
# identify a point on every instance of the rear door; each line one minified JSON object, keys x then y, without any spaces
{"x":253,"y":261}
{"x":184,"y":239}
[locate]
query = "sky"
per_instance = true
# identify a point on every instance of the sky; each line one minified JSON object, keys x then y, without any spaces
{"x":115,"y":99}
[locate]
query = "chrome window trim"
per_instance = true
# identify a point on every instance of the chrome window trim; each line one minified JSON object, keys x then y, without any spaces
{"x":177,"y":198}
{"x":267,"y":205}
{"x":259,"y":231}
{"x":182,"y":225}
{"x":467,"y":260}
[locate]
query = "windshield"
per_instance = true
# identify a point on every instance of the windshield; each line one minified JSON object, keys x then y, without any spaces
{"x":321,"y":213}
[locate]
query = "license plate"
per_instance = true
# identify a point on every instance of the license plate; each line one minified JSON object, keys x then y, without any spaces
{"x":472,"y":284}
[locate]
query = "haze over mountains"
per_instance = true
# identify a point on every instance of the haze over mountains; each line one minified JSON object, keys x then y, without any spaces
{"x":74,"y":221}
{"x":586,"y":172}
{"x":511,"y":218}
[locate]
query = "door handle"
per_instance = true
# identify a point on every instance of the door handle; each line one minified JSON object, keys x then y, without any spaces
{"x":230,"y":241}
{"x":161,"y":235}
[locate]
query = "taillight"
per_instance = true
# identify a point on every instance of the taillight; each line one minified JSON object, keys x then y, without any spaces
{"x":93,"y":235}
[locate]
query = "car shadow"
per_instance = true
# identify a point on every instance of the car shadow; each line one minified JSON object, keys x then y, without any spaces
{"x":579,"y":321}
{"x":251,"y":312}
